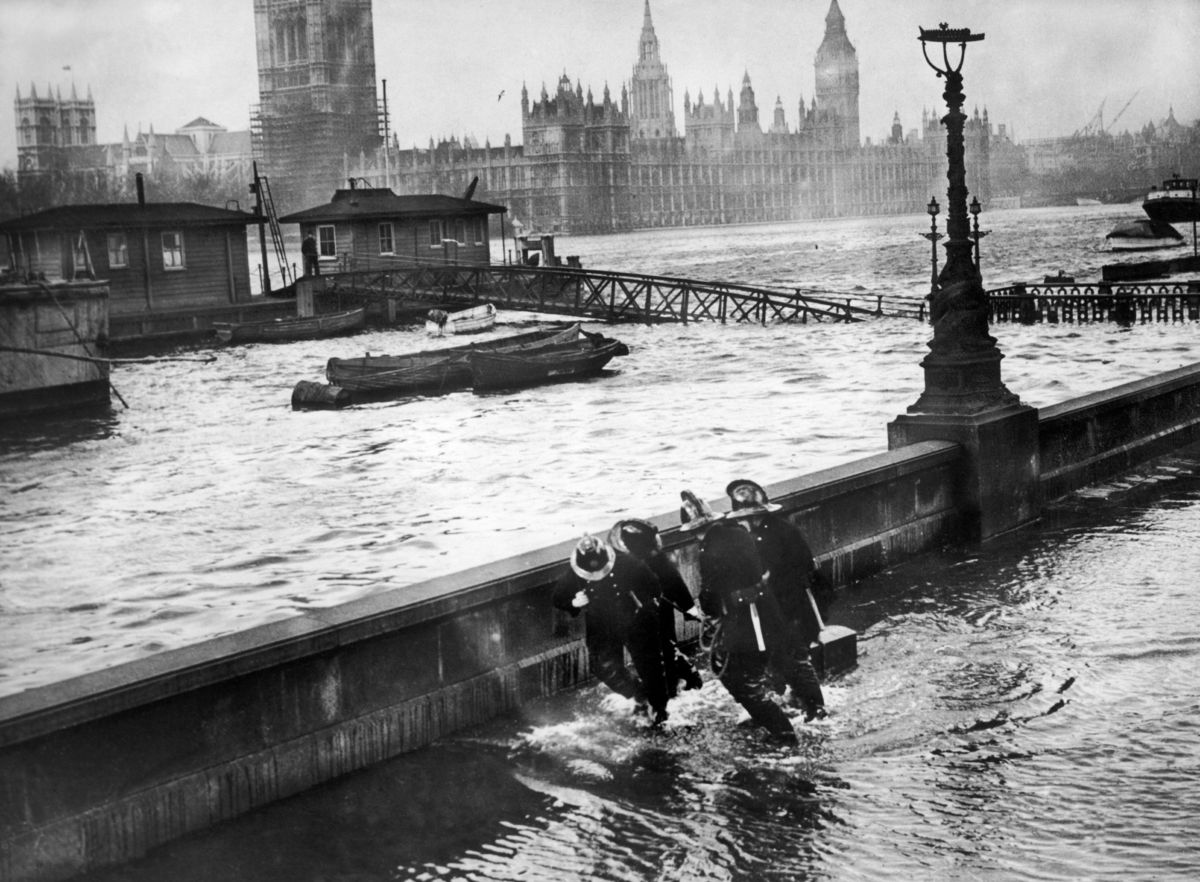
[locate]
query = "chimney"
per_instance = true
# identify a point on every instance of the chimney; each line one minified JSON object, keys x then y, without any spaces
{"x":141,"y":189}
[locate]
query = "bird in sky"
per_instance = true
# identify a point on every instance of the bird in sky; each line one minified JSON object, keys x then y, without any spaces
{"x":501,"y":95}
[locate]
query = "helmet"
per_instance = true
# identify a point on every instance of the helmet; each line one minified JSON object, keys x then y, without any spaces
{"x":748,"y":498}
{"x":634,"y":536}
{"x":592,"y":559}
{"x":695,"y":513}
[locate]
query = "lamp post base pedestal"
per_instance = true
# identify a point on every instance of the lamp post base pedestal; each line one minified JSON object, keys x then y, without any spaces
{"x":1000,"y":489}
{"x":963,"y":383}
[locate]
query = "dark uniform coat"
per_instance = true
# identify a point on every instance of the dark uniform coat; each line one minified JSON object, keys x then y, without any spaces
{"x":675,"y":596}
{"x":733,"y":589}
{"x":787,"y":557}
{"x":622,"y":613}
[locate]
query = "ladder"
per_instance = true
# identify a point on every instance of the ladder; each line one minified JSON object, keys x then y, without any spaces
{"x":265,"y":207}
{"x":276,"y":233}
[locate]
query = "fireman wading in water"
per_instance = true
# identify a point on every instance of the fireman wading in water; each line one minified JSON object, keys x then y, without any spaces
{"x":640,"y":538}
{"x":753,"y":638}
{"x":620,"y":596}
{"x":798,"y":586}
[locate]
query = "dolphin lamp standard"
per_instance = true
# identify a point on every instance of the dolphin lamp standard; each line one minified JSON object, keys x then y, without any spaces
{"x":933,"y":235}
{"x":962,"y":370}
{"x":976,"y":234}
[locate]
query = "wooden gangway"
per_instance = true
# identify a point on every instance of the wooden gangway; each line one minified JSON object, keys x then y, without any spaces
{"x":603,"y":294}
{"x":1120,"y":302}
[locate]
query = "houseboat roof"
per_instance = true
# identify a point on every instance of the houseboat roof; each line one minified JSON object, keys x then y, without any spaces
{"x":128,"y":214}
{"x":380,"y":202}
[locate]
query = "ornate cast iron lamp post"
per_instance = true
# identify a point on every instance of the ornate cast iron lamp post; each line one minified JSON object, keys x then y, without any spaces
{"x":962,"y":370}
{"x":964,"y":401}
{"x":933,"y":235}
{"x":975,"y":208}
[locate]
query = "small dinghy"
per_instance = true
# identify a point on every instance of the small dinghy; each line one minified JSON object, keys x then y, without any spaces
{"x":469,"y":321}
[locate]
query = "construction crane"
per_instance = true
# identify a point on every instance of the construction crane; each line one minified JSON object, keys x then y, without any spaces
{"x":1123,"y":109}
{"x":1095,"y":124}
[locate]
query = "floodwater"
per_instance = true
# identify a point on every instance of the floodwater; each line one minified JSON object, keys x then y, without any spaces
{"x":1028,"y":712}
{"x":208,"y":505}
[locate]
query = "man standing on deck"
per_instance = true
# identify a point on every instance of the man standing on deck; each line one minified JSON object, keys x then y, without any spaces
{"x":640,"y":538}
{"x":793,"y":576}
{"x":308,"y":250}
{"x":620,"y":595}
{"x":752,"y":637}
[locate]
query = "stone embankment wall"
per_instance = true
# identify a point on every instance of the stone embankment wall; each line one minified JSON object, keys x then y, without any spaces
{"x":99,"y":769}
{"x":1090,"y":439}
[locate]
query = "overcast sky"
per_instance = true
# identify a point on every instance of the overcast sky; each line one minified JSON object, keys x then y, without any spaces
{"x":1043,"y":70}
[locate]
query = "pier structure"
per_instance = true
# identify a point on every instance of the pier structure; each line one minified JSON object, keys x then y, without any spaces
{"x":603,"y":295}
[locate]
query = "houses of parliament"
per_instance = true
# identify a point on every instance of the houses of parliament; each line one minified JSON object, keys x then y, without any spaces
{"x":607,"y":163}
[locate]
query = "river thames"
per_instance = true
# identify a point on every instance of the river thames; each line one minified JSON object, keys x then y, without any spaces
{"x":209,"y":505}
{"x":1028,"y":712}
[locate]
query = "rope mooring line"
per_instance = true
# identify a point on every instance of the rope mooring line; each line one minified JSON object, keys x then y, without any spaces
{"x":79,"y":337}
{"x":110,"y":361}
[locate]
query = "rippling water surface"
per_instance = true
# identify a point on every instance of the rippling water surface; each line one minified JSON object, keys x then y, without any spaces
{"x":1027,"y":712}
{"x":209,"y":505}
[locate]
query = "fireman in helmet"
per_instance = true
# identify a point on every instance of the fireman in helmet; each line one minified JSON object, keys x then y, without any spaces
{"x":793,"y":576}
{"x":753,"y":638}
{"x":619,"y":596}
{"x":640,"y":538}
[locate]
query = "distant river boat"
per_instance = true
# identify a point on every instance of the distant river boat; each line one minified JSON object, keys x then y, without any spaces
{"x":1143,"y":235}
{"x":1175,"y":202}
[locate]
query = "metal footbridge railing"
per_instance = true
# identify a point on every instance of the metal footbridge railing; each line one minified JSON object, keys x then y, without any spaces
{"x":1122,"y":302}
{"x":601,"y":294}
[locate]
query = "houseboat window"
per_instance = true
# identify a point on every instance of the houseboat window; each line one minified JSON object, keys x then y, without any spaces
{"x":326,"y":241}
{"x":386,"y":243}
{"x":460,"y":231}
{"x":81,"y":254}
{"x":118,"y":251}
{"x":435,"y":234}
{"x":172,"y":248}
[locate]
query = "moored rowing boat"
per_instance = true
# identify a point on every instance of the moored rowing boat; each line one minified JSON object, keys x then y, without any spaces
{"x":468,"y":321}
{"x":507,"y":370}
{"x":299,"y":328}
{"x":437,"y":370}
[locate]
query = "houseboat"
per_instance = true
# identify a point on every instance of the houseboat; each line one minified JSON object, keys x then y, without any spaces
{"x":365,"y":227}
{"x":171,"y":267}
